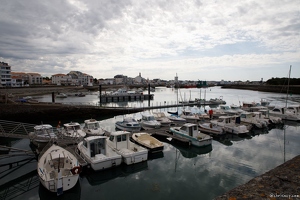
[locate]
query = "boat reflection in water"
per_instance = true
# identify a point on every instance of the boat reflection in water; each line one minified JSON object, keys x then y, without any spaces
{"x":72,"y":194}
{"x":100,"y":177}
{"x":188,"y":151}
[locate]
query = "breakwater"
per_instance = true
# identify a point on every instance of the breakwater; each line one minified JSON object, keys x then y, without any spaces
{"x":293,"y":89}
{"x":281,"y":182}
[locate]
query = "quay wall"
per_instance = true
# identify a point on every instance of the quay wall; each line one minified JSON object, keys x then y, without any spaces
{"x":293,"y":89}
{"x":282,"y":182}
{"x":37,"y":113}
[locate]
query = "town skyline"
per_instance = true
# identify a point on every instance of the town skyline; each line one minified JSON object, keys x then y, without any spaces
{"x":209,"y":40}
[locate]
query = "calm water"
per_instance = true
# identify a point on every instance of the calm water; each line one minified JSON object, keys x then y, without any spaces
{"x":178,"y":173}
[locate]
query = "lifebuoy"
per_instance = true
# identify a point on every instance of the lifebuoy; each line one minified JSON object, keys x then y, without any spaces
{"x":76,"y":170}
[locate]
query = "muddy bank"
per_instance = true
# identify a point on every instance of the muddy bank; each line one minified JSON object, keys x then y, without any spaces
{"x":293,"y":89}
{"x":37,"y":113}
{"x":282,"y":182}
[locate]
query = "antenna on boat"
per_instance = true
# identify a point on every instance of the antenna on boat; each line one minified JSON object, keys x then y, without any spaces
{"x":287,"y":93}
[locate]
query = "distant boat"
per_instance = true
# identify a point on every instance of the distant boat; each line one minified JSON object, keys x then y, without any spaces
{"x":228,"y":124}
{"x":58,"y":169}
{"x":211,"y":129}
{"x":61,"y":95}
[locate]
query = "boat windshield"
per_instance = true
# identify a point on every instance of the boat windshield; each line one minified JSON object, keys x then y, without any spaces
{"x":93,"y":126}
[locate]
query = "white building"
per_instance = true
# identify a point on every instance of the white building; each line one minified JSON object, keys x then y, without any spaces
{"x":82,"y":79}
{"x":5,"y":75}
{"x":62,"y":79}
{"x":35,"y":79}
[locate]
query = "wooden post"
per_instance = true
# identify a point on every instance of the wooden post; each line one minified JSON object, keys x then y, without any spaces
{"x":100,"y":91}
{"x":53,"y":97}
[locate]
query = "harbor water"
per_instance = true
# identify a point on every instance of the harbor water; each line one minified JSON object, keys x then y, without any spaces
{"x":179,"y":172}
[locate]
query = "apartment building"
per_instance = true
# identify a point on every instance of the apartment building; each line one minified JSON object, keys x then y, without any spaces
{"x":5,"y":75}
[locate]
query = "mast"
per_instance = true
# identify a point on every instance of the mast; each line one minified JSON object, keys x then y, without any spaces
{"x":287,"y":91}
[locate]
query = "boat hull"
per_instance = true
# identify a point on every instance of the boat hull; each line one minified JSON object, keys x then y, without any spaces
{"x":126,"y":128}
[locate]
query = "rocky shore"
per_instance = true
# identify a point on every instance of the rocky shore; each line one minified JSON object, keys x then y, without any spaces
{"x":282,"y":182}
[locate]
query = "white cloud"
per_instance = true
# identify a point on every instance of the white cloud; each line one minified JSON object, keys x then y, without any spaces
{"x":138,"y":36}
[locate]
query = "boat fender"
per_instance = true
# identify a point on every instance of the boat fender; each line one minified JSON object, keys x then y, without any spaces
{"x":76,"y":170}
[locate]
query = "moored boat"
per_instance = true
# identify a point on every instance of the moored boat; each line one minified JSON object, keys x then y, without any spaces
{"x":131,"y":153}
{"x":147,"y":141}
{"x":92,"y":128}
{"x":231,"y":124}
{"x":98,"y":154}
{"x":149,"y":122}
{"x":72,"y":130}
{"x":190,"y":131}
{"x":211,"y":129}
{"x":42,"y":133}
{"x":128,"y":124}
{"x":58,"y":169}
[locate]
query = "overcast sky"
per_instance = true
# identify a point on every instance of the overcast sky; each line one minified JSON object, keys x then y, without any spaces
{"x":197,"y":39}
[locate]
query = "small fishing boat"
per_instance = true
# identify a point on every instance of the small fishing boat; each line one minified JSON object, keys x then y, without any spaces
{"x":176,"y":118}
{"x":149,"y":122}
{"x":162,"y":118}
{"x":58,"y":169}
{"x":131,"y":153}
{"x":61,"y":95}
{"x":72,"y":130}
{"x":190,"y":131}
{"x":147,"y":141}
{"x":211,"y":129}
{"x":42,"y":133}
{"x":128,"y":124}
{"x":231,"y":124}
{"x":98,"y":154}
{"x":92,"y":128}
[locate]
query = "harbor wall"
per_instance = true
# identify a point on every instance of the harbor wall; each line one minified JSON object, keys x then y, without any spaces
{"x":35,"y":113}
{"x":282,"y":182}
{"x":293,"y":89}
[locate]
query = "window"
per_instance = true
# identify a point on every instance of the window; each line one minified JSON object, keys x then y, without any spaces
{"x":84,"y":143}
{"x":123,"y":137}
{"x":111,"y":138}
{"x":119,"y":138}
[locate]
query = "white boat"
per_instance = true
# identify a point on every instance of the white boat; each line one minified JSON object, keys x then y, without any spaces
{"x":149,"y":122}
{"x":218,"y":100}
{"x":149,"y":142}
{"x":92,"y":128}
{"x":98,"y":154}
{"x":128,"y":124}
{"x":131,"y":153}
{"x":72,"y":130}
{"x":272,"y":119}
{"x":58,"y":169}
{"x":228,"y":124}
{"x":247,"y":117}
{"x":211,"y":129}
{"x":189,"y":116}
{"x":176,"y":118}
{"x":43,"y":133}
{"x":162,"y":118}
{"x":190,"y":131}
{"x":61,"y":95}
{"x":284,"y":113}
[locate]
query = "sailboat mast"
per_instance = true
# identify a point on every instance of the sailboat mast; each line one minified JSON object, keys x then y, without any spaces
{"x":287,"y":91}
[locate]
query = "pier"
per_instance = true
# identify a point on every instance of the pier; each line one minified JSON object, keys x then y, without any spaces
{"x":107,"y":98}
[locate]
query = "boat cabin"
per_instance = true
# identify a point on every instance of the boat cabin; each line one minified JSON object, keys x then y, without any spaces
{"x":44,"y":129}
{"x":189,"y":129}
{"x":120,"y":139}
{"x":91,"y":124}
{"x":72,"y":126}
{"x":95,"y":145}
{"x":148,"y":117}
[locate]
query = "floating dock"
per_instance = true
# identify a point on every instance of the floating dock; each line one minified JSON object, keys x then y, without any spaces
{"x":107,"y":98}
